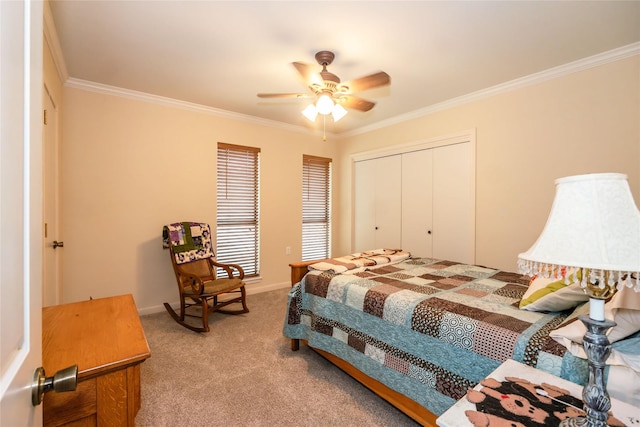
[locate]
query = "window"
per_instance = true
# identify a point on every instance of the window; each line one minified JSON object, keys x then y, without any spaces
{"x":238,"y":231}
{"x":316,"y":208}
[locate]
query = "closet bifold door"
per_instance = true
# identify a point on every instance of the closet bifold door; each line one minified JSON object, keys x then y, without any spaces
{"x":454,"y":203}
{"x":378,"y":203}
{"x":421,"y":200}
{"x":417,"y":203}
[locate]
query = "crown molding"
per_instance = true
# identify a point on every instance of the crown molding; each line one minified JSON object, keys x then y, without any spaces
{"x":552,"y":73}
{"x":52,"y":40}
{"x":532,"y":79}
{"x":171,"y":102}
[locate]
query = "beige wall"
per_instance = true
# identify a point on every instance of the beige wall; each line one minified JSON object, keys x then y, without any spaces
{"x":585,"y":122}
{"x":130,"y":166}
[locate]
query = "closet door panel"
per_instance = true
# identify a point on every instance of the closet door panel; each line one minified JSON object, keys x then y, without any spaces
{"x":364,"y":208}
{"x":377,"y":209}
{"x":454,"y":203}
{"x":388,"y":202}
{"x":417,"y":203}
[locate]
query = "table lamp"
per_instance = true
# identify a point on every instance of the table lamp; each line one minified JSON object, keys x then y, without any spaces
{"x":593,"y":231}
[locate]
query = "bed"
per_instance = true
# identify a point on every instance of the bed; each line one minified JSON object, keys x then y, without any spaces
{"x":420,"y":332}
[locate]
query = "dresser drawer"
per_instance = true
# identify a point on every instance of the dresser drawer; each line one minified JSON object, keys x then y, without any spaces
{"x":63,"y":408}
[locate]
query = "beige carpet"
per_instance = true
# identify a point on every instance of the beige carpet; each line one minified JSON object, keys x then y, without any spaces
{"x":243,"y":373}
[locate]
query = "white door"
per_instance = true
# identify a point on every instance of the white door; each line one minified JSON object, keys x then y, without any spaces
{"x":454,"y":208}
{"x":388,"y":202}
{"x":417,"y":203}
{"x":50,"y":283}
{"x":377,"y":209}
{"x":364,"y":206}
{"x":20,"y":209}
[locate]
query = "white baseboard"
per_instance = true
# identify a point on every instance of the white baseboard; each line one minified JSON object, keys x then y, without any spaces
{"x":155,"y":309}
{"x":259,"y":288}
{"x":252,"y":289}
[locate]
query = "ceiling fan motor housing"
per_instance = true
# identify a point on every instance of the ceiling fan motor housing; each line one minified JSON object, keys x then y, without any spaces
{"x":330,"y":80}
{"x":331,"y":85}
{"x":324,"y":57}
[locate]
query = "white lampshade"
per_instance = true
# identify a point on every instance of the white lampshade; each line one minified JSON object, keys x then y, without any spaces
{"x":594,"y":224}
{"x":310,"y":112}
{"x":338,"y":112}
{"x":593,"y":228}
{"x":324,"y":105}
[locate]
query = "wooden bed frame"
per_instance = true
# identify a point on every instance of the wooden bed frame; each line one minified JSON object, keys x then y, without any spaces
{"x":400,"y":401}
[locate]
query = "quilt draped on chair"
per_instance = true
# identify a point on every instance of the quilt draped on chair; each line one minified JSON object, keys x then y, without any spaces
{"x":190,"y":241}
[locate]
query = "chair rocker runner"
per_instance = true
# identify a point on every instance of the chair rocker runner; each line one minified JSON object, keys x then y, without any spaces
{"x":194,"y":264}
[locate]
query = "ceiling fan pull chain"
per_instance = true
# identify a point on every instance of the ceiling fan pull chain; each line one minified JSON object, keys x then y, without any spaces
{"x":324,"y":128}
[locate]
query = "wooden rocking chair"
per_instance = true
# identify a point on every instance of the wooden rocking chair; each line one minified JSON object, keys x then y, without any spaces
{"x":194,"y":264}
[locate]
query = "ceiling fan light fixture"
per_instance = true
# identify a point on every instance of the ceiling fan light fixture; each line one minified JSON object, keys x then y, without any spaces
{"x":310,"y":112}
{"x":332,"y":96}
{"x":324,"y":105}
{"x":338,"y":112}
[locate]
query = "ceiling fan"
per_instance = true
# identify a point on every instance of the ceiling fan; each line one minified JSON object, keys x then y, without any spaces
{"x":332,"y":95}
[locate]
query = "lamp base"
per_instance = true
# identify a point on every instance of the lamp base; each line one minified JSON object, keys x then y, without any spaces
{"x":575,"y":422}
{"x":594,"y":395}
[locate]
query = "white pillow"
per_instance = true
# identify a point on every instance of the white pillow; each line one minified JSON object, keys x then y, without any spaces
{"x":623,"y":381}
{"x":624,"y":359}
{"x":623,"y":308}
{"x":552,"y":295}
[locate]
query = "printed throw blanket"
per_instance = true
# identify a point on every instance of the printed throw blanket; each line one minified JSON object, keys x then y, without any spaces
{"x":360,"y":261}
{"x":427,"y":328}
{"x":190,"y":240}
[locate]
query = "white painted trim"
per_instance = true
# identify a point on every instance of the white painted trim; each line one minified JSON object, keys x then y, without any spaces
{"x":52,"y":40}
{"x":251,"y":290}
{"x":552,"y":73}
{"x":162,"y":100}
{"x":423,"y":144}
{"x":467,"y":136}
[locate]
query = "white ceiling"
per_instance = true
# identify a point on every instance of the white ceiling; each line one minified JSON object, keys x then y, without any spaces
{"x":220,"y":54}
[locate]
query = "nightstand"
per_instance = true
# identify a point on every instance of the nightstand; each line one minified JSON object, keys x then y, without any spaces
{"x":456,"y":416}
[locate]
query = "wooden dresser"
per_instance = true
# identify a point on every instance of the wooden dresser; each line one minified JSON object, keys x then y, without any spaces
{"x":104,"y":337}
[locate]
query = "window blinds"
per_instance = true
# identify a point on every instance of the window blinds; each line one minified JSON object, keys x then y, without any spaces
{"x":316,"y":208}
{"x":238,"y":213}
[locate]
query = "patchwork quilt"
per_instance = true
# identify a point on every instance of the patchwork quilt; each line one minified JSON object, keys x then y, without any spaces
{"x":354,"y":263}
{"x":429,"y":329}
{"x":190,"y":241}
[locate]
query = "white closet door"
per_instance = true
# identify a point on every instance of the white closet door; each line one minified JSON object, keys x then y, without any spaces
{"x":364,"y":208}
{"x":454,"y":203}
{"x":417,"y":202}
{"x":378,"y":203}
{"x":388,"y":202}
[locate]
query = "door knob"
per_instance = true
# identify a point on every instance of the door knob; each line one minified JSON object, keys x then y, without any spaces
{"x":63,"y":380}
{"x":57,"y":244}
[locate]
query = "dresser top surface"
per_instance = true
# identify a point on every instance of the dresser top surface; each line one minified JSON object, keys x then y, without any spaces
{"x":99,"y":335}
